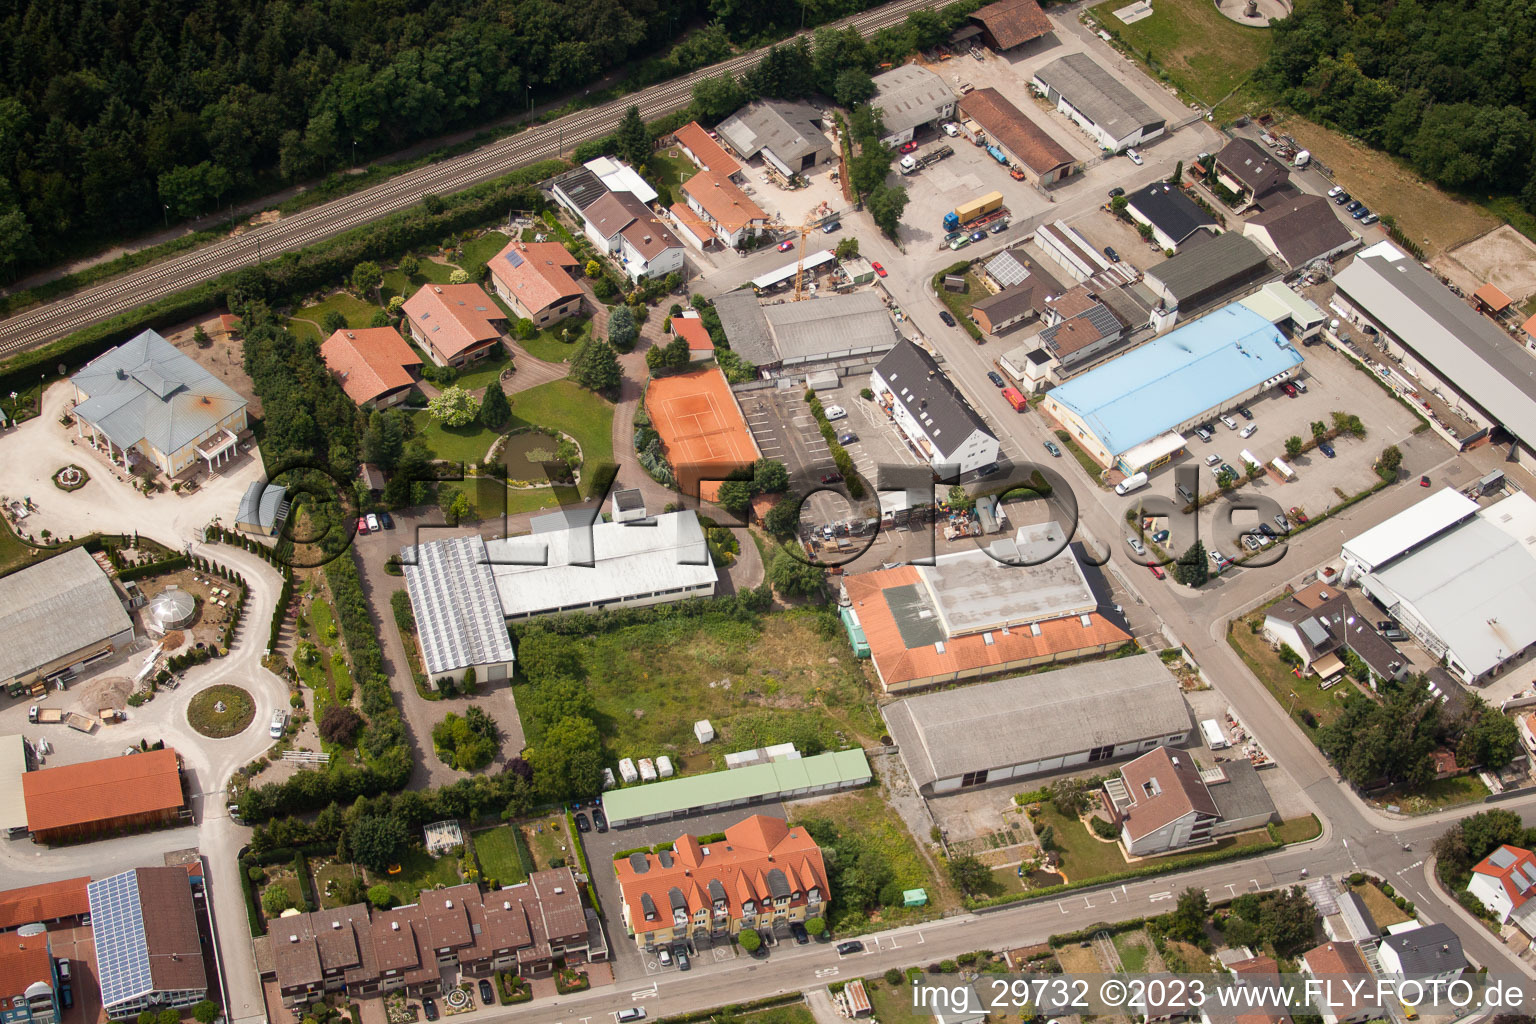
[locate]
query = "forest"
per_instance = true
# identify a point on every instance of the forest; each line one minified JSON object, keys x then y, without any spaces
{"x":119,"y":117}
{"x":1450,"y":87}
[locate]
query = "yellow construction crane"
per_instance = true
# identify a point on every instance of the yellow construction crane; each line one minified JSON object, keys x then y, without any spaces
{"x":811,"y":220}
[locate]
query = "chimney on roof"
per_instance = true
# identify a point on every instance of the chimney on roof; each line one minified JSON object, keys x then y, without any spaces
{"x":394,"y":926}
{"x":438,"y":290}
{"x":506,"y":904}
{"x":351,"y":335}
{"x":293,"y":938}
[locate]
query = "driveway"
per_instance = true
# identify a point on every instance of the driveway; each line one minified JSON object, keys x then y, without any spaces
{"x":108,"y":503}
{"x":371,"y":551}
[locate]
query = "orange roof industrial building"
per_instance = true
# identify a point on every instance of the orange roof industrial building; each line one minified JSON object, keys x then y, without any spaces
{"x":98,"y":798}
{"x":1020,"y":604}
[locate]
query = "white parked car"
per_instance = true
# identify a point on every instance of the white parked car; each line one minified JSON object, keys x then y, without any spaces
{"x":1135,"y":156}
{"x":1227,"y":421}
{"x":1337,"y":190}
{"x":951,"y":129}
{"x":835,"y":412}
{"x":1248,"y":431}
{"x":1213,"y":459}
{"x":373,"y":523}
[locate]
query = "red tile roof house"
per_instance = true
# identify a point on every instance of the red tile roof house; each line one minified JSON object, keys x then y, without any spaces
{"x":1333,"y":961}
{"x":1163,"y":804}
{"x":764,"y":875}
{"x":691,"y":329}
{"x":375,"y":365}
{"x":1504,"y":882}
{"x":534,"y":279}
{"x":454,"y":323}
{"x":705,"y":152}
{"x":729,"y":210}
{"x":61,"y":904}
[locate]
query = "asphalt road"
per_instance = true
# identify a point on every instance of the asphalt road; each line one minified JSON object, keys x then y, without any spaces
{"x":49,"y":322}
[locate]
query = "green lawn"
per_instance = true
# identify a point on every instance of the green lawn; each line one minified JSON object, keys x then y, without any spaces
{"x":477,"y":252}
{"x":1200,"y":50}
{"x":1082,"y":855}
{"x":1134,"y":948}
{"x":548,"y":841}
{"x":1299,"y":830}
{"x":485,"y":372}
{"x":865,"y":814}
{"x":497,"y":850}
{"x":893,"y":1003}
{"x":419,"y":871}
{"x":13,"y":553}
{"x":551,"y":345}
{"x":1438,"y":795}
{"x":458,"y":444}
{"x":566,"y":406}
{"x":429,"y":272}
{"x":332,"y":871}
{"x":795,"y":1013}
{"x":672,"y":166}
{"x":357,"y":312}
{"x":789,"y":681}
{"x":1325,"y":705}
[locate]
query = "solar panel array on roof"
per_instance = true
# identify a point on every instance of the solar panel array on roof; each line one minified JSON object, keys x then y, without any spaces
{"x":1501,"y":858}
{"x":122,"y":954}
{"x":515,"y":258}
{"x":1524,"y":876}
{"x":1006,"y":269}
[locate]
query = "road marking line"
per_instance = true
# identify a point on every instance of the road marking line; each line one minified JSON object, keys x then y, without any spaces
{"x":1063,"y":909}
{"x":1160,"y":896}
{"x":827,"y":972}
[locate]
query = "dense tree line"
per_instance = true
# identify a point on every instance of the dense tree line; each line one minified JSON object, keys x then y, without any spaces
{"x":1387,"y":741}
{"x":1447,"y":86}
{"x":1472,"y":838}
{"x":115,"y":117}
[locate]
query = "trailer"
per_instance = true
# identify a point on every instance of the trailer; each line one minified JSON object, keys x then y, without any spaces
{"x":110,"y":715}
{"x":80,"y":722}
{"x":966,"y":213}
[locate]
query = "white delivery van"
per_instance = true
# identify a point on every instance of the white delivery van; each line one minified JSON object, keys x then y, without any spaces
{"x":1131,"y":483}
{"x":1214,"y":737}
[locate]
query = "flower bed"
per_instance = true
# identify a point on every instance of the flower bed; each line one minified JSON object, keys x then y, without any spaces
{"x":70,"y":478}
{"x":568,"y":981}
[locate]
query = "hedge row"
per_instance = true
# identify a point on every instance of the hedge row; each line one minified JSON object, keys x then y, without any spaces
{"x":1147,"y":871}
{"x":138,"y":572}
{"x":734,"y":1009}
{"x":840,"y":454}
{"x":1086,"y":934}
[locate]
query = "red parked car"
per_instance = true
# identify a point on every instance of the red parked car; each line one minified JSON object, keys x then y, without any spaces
{"x":1157,"y":571}
{"x":908,"y":147}
{"x":878,"y":269}
{"x":362,"y":524}
{"x":786,"y":245}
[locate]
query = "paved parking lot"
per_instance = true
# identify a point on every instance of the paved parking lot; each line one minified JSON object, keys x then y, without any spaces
{"x":1332,"y":385}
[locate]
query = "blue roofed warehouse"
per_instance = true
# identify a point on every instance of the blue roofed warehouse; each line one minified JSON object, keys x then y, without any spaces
{"x":1130,"y":414}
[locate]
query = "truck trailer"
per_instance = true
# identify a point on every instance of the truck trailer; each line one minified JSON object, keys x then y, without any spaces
{"x":973,"y":210}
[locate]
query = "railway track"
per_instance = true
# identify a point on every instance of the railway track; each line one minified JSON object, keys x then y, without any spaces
{"x":49,"y":322}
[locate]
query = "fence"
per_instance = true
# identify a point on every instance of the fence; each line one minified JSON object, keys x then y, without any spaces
{"x":306,"y":757}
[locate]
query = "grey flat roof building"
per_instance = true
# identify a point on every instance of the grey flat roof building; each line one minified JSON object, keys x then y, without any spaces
{"x":1207,"y":269}
{"x":794,"y":333}
{"x":1014,"y":727}
{"x":1488,"y":367}
{"x":458,"y":613}
{"x":909,"y":96}
{"x":784,"y":132}
{"x":1098,"y":95}
{"x":55,"y":608}
{"x":581,"y":187}
{"x":746,"y":328}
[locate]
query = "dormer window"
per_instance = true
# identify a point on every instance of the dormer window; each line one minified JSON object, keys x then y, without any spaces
{"x":814,"y":896}
{"x":749,"y":907}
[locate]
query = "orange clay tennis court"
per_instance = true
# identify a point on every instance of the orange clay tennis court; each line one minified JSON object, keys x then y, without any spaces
{"x":700,"y":425}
